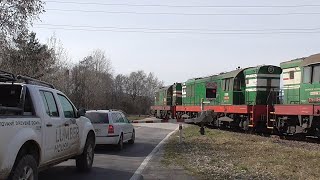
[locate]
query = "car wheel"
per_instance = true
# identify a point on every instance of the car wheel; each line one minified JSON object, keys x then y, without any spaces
{"x":85,"y":160}
{"x":26,"y":169}
{"x":133,"y":138}
{"x":120,"y":143}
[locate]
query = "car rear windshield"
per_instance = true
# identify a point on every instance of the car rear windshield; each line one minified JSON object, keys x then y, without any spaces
{"x":97,"y":117}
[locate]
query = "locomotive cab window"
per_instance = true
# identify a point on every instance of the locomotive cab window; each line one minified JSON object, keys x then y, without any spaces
{"x":237,"y":84}
{"x":291,"y":74}
{"x":223,"y":84}
{"x":184,"y":90}
{"x":316,"y":74}
{"x":211,"y":93}
{"x":307,"y":74}
{"x":311,"y":74}
{"x":227,"y":84}
{"x":230,"y":84}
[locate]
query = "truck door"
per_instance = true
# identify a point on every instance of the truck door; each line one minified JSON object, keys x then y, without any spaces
{"x":70,"y":132}
{"x":52,"y":122}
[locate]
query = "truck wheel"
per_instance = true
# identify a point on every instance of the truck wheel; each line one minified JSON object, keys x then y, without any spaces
{"x":85,"y":160}
{"x":120,"y":143}
{"x":133,"y":137}
{"x":26,"y":169}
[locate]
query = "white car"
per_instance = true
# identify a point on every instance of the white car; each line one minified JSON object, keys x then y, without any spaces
{"x":111,"y":127}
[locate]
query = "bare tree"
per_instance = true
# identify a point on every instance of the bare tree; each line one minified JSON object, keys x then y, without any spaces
{"x":101,"y":62}
{"x":135,"y":84}
{"x":152,"y":84}
{"x":89,"y":83}
{"x":28,"y":56}
{"x":16,"y":15}
{"x":92,"y":80}
{"x":118,"y":91}
{"x":61,"y":76}
{"x":134,"y":93}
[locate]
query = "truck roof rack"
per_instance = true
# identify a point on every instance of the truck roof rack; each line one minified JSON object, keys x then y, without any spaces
{"x":29,"y":80}
{"x":7,"y":77}
{"x":10,"y":77}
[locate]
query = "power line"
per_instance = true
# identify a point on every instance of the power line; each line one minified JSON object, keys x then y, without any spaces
{"x":175,"y":29}
{"x":185,"y":6}
{"x":180,"y":32}
{"x":186,"y":14}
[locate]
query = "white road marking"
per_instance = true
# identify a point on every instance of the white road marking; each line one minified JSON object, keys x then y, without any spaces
{"x":137,"y":174}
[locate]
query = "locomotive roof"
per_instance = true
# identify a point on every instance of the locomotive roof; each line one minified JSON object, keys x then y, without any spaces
{"x":200,"y":78}
{"x":164,"y":88}
{"x":313,"y":59}
{"x":263,"y":69}
{"x":231,"y":74}
{"x":292,"y":63}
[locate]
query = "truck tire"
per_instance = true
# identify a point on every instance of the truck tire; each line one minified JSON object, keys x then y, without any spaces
{"x":26,"y":168}
{"x":85,"y":160}
{"x":133,"y":137}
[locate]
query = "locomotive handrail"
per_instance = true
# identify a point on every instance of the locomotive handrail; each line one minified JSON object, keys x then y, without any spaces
{"x":275,"y":97}
{"x":271,"y":91}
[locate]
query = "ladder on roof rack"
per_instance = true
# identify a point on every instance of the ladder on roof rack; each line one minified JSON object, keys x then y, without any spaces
{"x":29,"y":80}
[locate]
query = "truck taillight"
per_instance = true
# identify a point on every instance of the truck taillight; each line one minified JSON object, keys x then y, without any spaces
{"x":110,"y":129}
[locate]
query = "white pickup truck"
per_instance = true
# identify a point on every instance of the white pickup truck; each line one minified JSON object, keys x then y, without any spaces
{"x":39,"y":128}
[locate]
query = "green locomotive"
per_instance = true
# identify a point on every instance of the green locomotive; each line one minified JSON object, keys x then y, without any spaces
{"x":250,"y":86}
{"x":300,"y":110}
{"x":251,"y":98}
{"x":165,"y":99}
{"x":238,"y":98}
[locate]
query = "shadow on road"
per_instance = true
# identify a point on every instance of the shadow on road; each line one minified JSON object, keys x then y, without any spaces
{"x":138,"y":149}
{"x":71,"y":173}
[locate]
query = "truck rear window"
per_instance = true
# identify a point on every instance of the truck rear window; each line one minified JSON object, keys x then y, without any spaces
{"x":10,"y":95}
{"x":98,"y":117}
{"x":14,"y":102}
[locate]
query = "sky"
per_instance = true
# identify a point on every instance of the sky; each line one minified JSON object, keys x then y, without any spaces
{"x":182,"y":39}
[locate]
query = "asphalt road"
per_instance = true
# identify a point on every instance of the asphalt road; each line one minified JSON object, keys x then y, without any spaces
{"x":112,"y":164}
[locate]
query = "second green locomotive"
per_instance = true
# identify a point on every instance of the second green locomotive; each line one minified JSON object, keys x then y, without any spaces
{"x":251,"y":98}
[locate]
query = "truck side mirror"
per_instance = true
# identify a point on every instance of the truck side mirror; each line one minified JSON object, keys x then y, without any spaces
{"x":81,"y":112}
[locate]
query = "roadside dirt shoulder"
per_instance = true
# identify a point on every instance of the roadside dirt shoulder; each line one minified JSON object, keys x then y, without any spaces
{"x":157,"y":170}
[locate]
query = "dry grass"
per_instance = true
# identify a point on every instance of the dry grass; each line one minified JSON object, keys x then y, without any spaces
{"x":228,"y":155}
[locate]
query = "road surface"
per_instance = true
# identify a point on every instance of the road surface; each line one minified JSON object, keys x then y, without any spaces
{"x":112,"y":164}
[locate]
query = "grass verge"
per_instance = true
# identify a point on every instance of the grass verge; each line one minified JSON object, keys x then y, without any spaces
{"x":229,"y":155}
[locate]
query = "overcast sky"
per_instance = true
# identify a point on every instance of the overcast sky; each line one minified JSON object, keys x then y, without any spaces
{"x":203,"y":46}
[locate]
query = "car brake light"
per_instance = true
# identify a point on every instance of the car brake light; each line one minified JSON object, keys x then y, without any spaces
{"x":110,"y":129}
